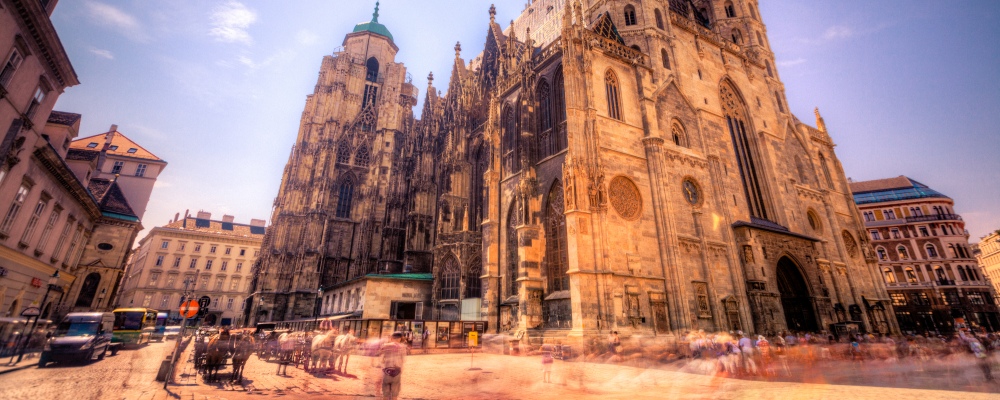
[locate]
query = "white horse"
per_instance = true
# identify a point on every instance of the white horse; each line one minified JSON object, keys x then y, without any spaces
{"x":322,"y":350}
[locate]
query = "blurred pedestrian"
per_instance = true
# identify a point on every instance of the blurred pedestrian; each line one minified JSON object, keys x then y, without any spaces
{"x":547,"y":362}
{"x":392,"y":355}
{"x":614,"y":342}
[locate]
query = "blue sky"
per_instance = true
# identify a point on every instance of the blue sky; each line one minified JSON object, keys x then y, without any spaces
{"x":216,"y":88}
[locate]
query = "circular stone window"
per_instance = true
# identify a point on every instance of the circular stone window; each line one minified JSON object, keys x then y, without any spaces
{"x":625,"y":197}
{"x":105,"y":246}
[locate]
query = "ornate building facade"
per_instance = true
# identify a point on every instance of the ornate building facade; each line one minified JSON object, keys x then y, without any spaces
{"x":599,"y":165}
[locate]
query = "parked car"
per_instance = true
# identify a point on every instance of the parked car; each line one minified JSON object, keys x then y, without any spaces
{"x":80,"y":337}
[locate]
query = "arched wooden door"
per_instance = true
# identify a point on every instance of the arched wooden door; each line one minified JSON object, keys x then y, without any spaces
{"x":795,"y":301}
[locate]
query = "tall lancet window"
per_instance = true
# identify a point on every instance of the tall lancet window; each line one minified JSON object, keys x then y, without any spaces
{"x":343,"y":152}
{"x":345,"y":196}
{"x":449,"y":280}
{"x":512,"y":259}
{"x":556,"y":254}
{"x":559,"y":102}
{"x":371,"y":67}
{"x":478,"y":195}
{"x":745,"y":146}
{"x":547,"y":146}
{"x":510,"y":155}
{"x":613,"y":92}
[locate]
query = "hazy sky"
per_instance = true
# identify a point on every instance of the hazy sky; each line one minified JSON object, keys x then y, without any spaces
{"x":217,"y":88}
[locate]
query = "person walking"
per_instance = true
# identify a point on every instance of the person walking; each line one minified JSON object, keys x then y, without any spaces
{"x":392,"y":355}
{"x":547,"y":362}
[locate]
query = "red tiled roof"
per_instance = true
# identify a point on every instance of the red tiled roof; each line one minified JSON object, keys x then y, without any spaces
{"x":118,"y":139}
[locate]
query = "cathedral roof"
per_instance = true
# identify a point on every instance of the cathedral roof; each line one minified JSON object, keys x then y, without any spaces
{"x":891,"y":189}
{"x":373,"y":26}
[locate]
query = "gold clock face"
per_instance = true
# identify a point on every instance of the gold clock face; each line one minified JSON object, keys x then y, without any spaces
{"x":691,"y":192}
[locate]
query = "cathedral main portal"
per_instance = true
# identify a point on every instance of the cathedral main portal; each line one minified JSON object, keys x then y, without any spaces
{"x":795,"y":300}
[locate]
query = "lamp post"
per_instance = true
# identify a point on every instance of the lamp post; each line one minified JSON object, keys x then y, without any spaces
{"x":52,"y":285}
{"x":319,"y":304}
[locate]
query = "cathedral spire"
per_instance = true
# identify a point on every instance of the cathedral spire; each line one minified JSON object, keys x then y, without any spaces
{"x":375,"y":14}
{"x":820,"y":124}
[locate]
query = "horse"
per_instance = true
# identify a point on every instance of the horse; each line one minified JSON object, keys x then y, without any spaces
{"x":322,"y":351}
{"x":286,"y":348}
{"x":244,"y":346}
{"x":218,"y":350}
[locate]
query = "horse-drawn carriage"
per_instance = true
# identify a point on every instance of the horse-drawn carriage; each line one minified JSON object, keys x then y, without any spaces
{"x":213,"y":351}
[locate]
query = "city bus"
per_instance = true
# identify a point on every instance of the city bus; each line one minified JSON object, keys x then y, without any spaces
{"x":134,"y":325}
{"x":161,"y":326}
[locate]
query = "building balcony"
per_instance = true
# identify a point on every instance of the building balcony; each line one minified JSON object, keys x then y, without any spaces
{"x":934,"y":217}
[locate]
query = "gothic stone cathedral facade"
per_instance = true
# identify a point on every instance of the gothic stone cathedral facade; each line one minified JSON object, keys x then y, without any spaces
{"x":600,"y":165}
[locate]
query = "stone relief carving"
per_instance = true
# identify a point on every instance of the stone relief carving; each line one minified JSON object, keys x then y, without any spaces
{"x":625,"y":198}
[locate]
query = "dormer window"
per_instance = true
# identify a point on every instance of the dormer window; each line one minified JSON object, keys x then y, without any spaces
{"x":113,"y":148}
{"x":132,"y":150}
{"x":92,"y":145}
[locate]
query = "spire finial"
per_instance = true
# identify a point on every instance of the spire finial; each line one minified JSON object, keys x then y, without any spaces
{"x":820,"y":123}
{"x":430,"y":79}
{"x":458,"y":49}
{"x":375,"y":14}
{"x":493,"y":12}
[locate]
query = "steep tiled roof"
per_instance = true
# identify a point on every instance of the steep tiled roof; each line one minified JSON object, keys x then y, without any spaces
{"x":110,"y":197}
{"x":898,"y":182}
{"x":120,"y":145}
{"x":217,"y":227}
{"x":63,"y":118}
{"x":82,"y":155}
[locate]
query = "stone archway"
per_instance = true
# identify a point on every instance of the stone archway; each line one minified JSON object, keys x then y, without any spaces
{"x":795,"y":300}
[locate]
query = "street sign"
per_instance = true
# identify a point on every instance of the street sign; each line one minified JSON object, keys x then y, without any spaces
{"x":204,"y":301}
{"x":31,"y":312}
{"x":189,"y":309}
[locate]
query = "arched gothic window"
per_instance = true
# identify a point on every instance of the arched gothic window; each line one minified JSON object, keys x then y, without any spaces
{"x":630,"y":15}
{"x":890,"y":277}
{"x":882,"y":254}
{"x":613,"y":92}
{"x":665,"y":58}
{"x":372,"y":70}
{"x":88,"y":290}
{"x":473,"y":282}
{"x":510,"y":154}
{"x":344,"y":198}
{"x":512,"y":258}
{"x":745,"y":146}
{"x":636,"y":48}
{"x":362,"y":157}
{"x":547,"y":138}
{"x":659,"y":18}
{"x":560,"y":100}
{"x":677,"y":135}
{"x":480,"y":199}
{"x":450,"y":279}
{"x":962,"y":274}
{"x":343,"y":153}
{"x":760,"y":40}
{"x":556,"y":254}
{"x":826,"y":170}
{"x":753,"y":12}
{"x":737,"y":36}
{"x":730,"y":10}
{"x":770,"y":72}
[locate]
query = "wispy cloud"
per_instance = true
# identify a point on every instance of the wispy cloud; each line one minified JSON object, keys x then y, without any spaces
{"x":102,"y":53}
{"x":791,"y":63}
{"x":230,"y":22}
{"x":278,"y":56}
{"x":111,"y":16}
{"x":306,"y":38}
{"x":838,"y":32}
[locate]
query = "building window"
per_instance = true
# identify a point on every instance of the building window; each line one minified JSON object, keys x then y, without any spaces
{"x":890,"y":277}
{"x":511,"y":161}
{"x":889,"y":214}
{"x":869,"y":216}
{"x":159,"y":261}
{"x":371,"y":70}
{"x":895,"y":233}
{"x":882,"y":255}
{"x":745,"y":146}
{"x":545,"y":109}
{"x":224,"y":265}
{"x":165,"y":301}
{"x":146,"y":300}
{"x":826,"y":170}
{"x":975,"y":298}
{"x":737,"y":36}
{"x":140,"y":170}
{"x":213,"y":249}
{"x":665,"y":58}
{"x":556,"y":253}
{"x":194,"y":263}
{"x":116,"y":168}
{"x":15,"y":208}
{"x":49,"y":226}
{"x":939,"y":273}
{"x":177,"y":262}
{"x":13,"y":61}
{"x":229,"y":304}
{"x":153,"y":277}
{"x":923,"y":231}
{"x":36,"y":214}
{"x":239,"y":267}
{"x":180,"y":246}
{"x":659,"y":18}
{"x":171,"y":278}
{"x":898,"y":299}
{"x":228,"y":250}
{"x":512,"y":257}
{"x":243,"y":252}
{"x":612,"y":91}
{"x":204,"y":282}
{"x":814,"y":221}
{"x":208,"y":265}
{"x":450,"y":278}
{"x":931,"y":251}
{"x":362,"y":157}
{"x":164,"y":244}
{"x":234,"y":284}
{"x":911,"y":276}
{"x":473,"y":282}
{"x":677,"y":135}
{"x":760,"y":39}
{"x":36,"y":101}
{"x":630,"y":15}
{"x":903,"y":252}
{"x":344,"y":199}
{"x":730,"y":10}
{"x":218,"y":284}
{"x":197,"y":248}
{"x":962,"y":274}
{"x":781,"y":105}
{"x":343,"y":152}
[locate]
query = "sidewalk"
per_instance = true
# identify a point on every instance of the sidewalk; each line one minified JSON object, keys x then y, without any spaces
{"x":29,"y":360}
{"x":447,"y":376}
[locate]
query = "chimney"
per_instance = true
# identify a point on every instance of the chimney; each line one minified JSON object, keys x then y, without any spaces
{"x":204,"y":215}
{"x":177,"y":216}
{"x":257,"y":222}
{"x":114,"y":128}
{"x":228,"y":218}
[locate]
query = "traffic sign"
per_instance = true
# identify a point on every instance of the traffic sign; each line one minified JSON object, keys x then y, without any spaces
{"x":189,"y":309}
{"x":31,"y":312}
{"x":204,"y":301}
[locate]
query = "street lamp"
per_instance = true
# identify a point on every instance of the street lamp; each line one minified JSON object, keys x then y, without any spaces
{"x":319,"y":304}
{"x":52,"y":286}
